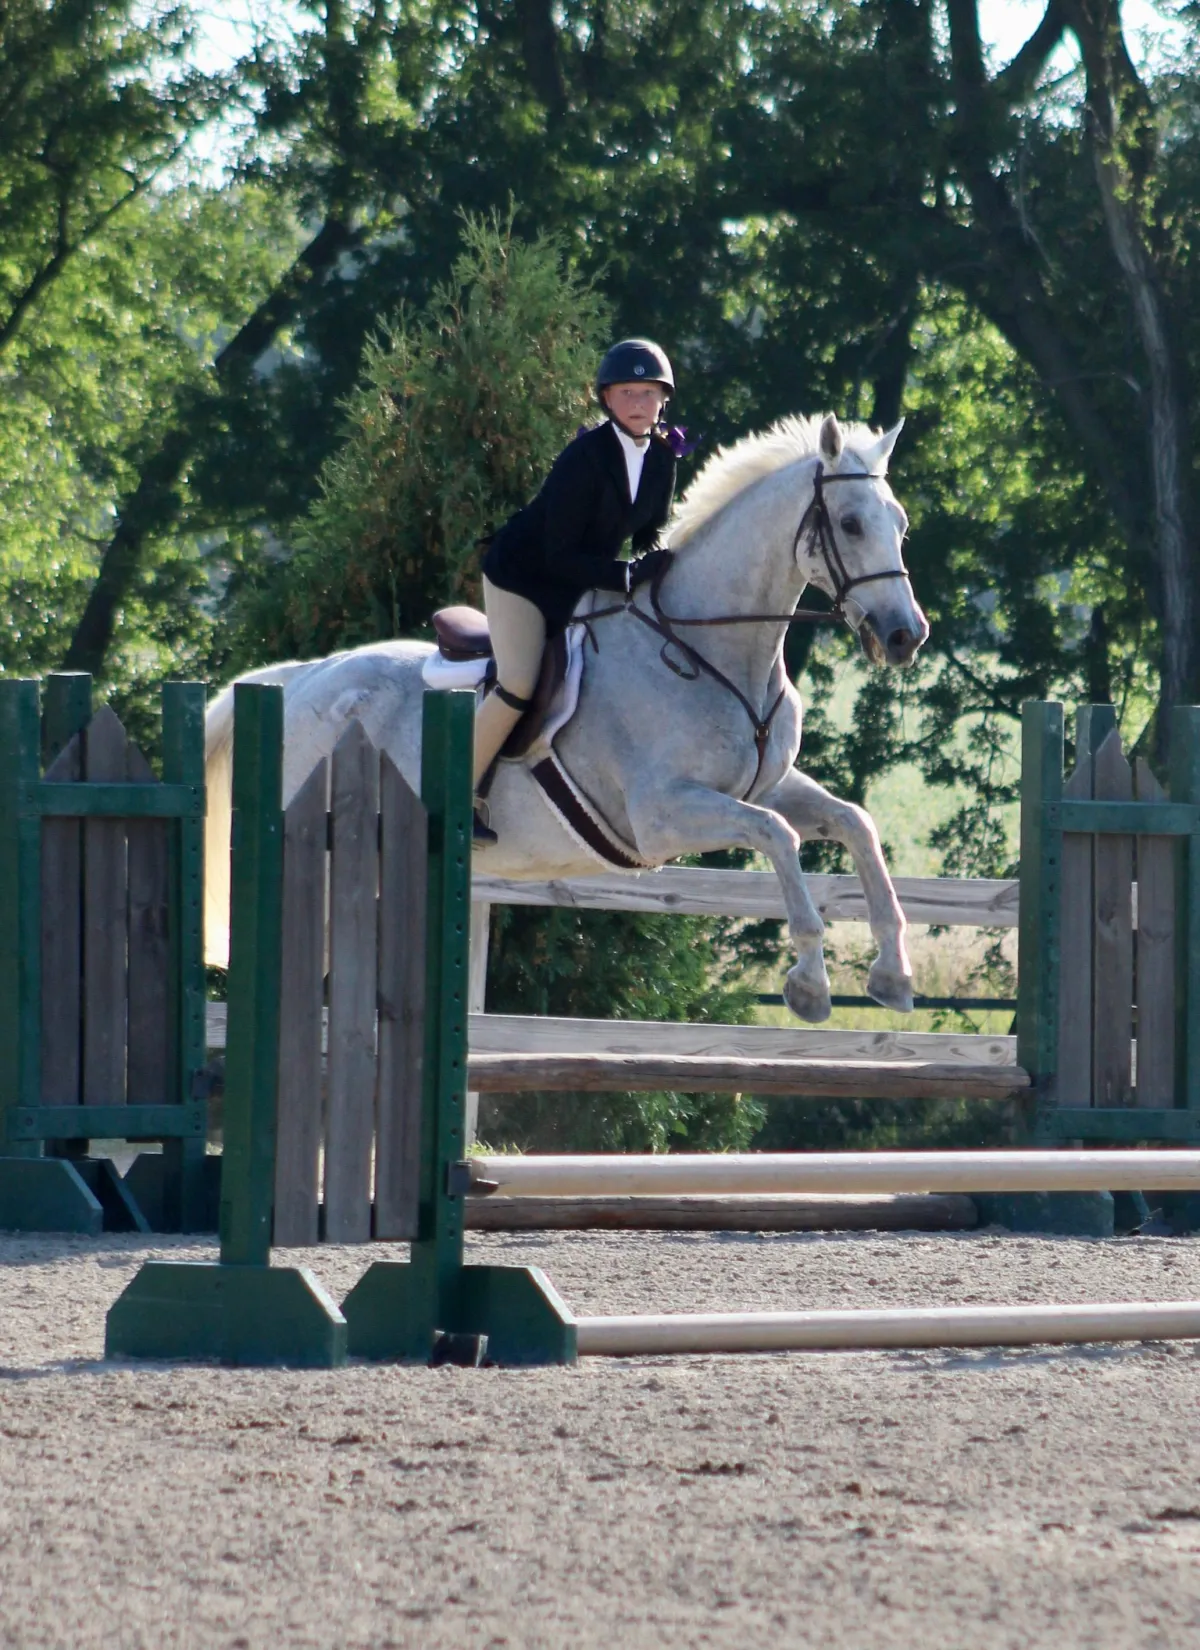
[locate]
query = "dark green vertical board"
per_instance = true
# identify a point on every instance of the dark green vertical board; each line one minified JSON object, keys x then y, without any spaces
{"x":252,"y":1037}
{"x":1185,"y":787}
{"x":20,"y":913}
{"x":446,"y":743}
{"x":186,"y":1195}
{"x":1037,"y":936}
{"x":398,"y":1311}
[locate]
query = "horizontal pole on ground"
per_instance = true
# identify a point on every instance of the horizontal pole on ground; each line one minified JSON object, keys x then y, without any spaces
{"x":948,"y":1326}
{"x":904,"y":1212}
{"x":709,"y":1074}
{"x":754,"y":1173}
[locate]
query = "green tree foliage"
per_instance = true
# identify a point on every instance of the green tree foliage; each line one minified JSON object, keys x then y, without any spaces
{"x":96,"y":103}
{"x":129,"y":327}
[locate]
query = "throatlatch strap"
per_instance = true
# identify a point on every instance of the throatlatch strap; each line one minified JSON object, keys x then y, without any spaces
{"x":511,"y":699}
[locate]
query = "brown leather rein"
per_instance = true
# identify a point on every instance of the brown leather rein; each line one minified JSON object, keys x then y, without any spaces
{"x":819,"y":527}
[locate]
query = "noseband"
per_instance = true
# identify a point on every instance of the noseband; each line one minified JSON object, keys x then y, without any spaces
{"x":821,"y":540}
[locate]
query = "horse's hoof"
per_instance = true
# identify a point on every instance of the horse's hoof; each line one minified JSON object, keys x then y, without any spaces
{"x":891,"y":990}
{"x":807,"y":1001}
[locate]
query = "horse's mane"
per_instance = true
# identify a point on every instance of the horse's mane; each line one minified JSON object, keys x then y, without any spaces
{"x":731,"y":470}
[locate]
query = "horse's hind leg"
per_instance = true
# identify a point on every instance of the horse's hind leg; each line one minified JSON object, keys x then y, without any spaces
{"x":813,"y":812}
{"x":688,"y":818}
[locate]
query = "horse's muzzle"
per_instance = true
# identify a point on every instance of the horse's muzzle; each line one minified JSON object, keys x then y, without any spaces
{"x":897,"y":646}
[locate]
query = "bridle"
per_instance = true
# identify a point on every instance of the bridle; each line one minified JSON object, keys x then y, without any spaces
{"x":817,"y":524}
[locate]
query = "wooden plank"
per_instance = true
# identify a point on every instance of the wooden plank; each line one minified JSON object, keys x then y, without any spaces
{"x":301,"y":1004}
{"x":1112,"y":953}
{"x":970,"y":902}
{"x":1155,"y":978}
{"x":62,"y":942}
{"x":150,"y":1064}
{"x":1076,"y":917}
{"x":778,"y":1212}
{"x":481,"y":927}
{"x":353,"y":884}
{"x":518,"y":1033}
{"x":105,"y":994}
{"x":403,"y":865}
{"x":543,"y":1034}
{"x":689,"y":1074}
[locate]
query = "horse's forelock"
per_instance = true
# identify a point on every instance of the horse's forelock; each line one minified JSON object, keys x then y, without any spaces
{"x":732,"y":469}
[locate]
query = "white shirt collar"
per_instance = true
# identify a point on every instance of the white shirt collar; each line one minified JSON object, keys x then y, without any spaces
{"x":635,"y":457}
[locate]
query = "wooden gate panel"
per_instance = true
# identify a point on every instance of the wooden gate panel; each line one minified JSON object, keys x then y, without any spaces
{"x":354,"y":883}
{"x":302,"y":990}
{"x":1112,"y":989}
{"x":105,"y":985}
{"x":403,"y":869}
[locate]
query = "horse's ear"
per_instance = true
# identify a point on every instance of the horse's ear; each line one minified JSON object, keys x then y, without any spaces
{"x":877,"y":458}
{"x":831,"y":438}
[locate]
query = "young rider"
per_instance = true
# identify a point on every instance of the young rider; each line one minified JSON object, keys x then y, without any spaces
{"x":612,"y":483}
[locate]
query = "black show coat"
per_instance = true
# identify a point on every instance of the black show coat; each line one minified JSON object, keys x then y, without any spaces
{"x":567,"y":539}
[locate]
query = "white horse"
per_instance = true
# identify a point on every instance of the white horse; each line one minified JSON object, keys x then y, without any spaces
{"x":679,"y":760}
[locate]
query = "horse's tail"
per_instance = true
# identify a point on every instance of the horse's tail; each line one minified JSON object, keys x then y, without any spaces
{"x":218,"y":778}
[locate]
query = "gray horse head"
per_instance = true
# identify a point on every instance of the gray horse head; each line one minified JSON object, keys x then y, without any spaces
{"x":860,"y":566}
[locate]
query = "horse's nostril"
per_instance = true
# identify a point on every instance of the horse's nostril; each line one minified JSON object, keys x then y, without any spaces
{"x":901,"y":642}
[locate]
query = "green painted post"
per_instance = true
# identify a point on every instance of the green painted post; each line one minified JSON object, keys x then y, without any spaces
{"x":186,"y":1195}
{"x":1185,"y":787}
{"x":37,"y":1193}
{"x":252,"y":1048}
{"x":20,"y":912}
{"x":66,"y":709}
{"x":242,"y":1309}
{"x":1038,"y":962}
{"x":1041,"y":858}
{"x":436,"y":1305}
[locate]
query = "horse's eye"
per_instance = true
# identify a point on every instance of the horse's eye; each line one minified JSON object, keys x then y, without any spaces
{"x":852,"y":526}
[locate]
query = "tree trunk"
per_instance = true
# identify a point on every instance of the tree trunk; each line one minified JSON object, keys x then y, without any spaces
{"x":155,"y":502}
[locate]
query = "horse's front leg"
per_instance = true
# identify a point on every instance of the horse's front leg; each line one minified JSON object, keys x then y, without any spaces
{"x":812,"y":811}
{"x":688,"y":818}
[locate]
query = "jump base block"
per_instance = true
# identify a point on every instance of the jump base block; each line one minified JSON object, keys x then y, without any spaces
{"x":393,"y":1313}
{"x":47,"y":1194}
{"x":253,"y":1315}
{"x":1053,"y":1214}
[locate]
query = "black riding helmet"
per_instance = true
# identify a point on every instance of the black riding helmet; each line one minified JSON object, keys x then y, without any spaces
{"x":632,"y":361}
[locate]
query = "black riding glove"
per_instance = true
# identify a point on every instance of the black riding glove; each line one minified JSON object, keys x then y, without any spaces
{"x":649,"y":566}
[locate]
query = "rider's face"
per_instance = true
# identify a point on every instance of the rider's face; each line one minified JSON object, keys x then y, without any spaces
{"x":636,"y":406}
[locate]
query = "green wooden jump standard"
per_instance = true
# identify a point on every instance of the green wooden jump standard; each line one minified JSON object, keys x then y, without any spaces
{"x":241,"y":1309}
{"x":434,"y":1307}
{"x":101,"y":970}
{"x":1078,"y":980}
